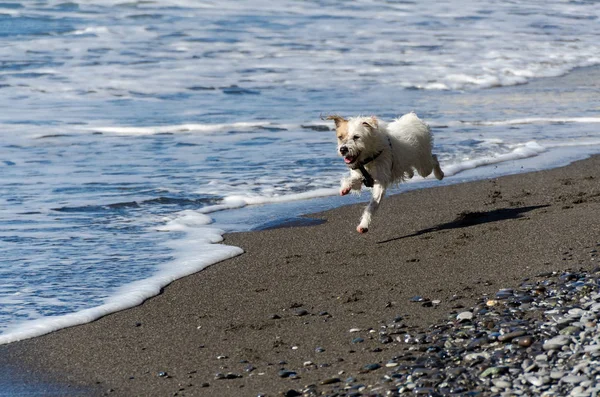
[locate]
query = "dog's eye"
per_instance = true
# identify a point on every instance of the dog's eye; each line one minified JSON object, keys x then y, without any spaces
{"x":356,"y":137}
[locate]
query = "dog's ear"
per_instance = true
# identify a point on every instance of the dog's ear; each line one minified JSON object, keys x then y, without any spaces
{"x":336,"y":118}
{"x":371,"y":123}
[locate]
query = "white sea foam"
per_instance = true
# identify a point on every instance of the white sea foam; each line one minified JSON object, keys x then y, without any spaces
{"x":535,"y":120}
{"x":232,"y":202}
{"x":182,"y":128}
{"x":529,"y":149}
{"x":193,"y":253}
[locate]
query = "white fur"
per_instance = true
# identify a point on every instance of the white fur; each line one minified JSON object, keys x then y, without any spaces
{"x":360,"y":138}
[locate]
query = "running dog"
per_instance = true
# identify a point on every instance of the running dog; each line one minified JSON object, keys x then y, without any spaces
{"x":381,"y":154}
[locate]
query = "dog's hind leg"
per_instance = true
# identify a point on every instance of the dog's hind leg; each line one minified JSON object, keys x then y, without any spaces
{"x":365,"y":221}
{"x":437,"y":171}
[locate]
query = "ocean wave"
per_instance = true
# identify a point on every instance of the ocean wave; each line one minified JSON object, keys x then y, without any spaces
{"x":197,"y":250}
{"x":533,"y":120}
{"x":517,"y":152}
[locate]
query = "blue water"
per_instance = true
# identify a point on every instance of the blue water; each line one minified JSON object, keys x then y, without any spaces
{"x":129,"y":127}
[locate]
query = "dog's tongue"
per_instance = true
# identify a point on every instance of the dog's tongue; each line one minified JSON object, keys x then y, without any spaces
{"x":349,"y":159}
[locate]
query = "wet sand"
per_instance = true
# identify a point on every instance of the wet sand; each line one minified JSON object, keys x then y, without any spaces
{"x":296,"y":293}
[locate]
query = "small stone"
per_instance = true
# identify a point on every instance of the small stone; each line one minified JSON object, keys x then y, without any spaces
{"x":576,"y":312}
{"x":391,"y":364}
{"x":205,"y":384}
{"x":504,"y":294}
{"x":358,"y":340}
{"x":556,"y":343}
{"x":229,"y":375}
{"x":292,"y":393}
{"x":301,"y":312}
{"x":354,"y":330}
{"x":570,"y":330}
{"x":464,"y":316}
{"x":308,"y":363}
{"x":284,"y":373}
{"x":523,"y":341}
{"x":537,"y":381}
{"x":424,"y":391}
{"x":162,"y":374}
{"x":493,"y":371}
{"x":510,"y":336}
{"x":541,"y":357}
{"x":319,"y":350}
{"x":275,"y":316}
{"x":330,"y":381}
{"x":417,"y":298}
{"x":371,"y":367}
{"x":502,"y":384}
{"x":221,"y":357}
{"x":385,"y":339}
{"x":491,"y":302}
{"x":574,"y":379}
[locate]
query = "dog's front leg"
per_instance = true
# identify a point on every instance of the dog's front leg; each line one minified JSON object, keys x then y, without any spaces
{"x":365,"y":221}
{"x":351,"y":182}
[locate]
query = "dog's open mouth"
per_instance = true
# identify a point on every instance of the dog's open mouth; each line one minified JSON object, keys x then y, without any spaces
{"x":350,"y":159}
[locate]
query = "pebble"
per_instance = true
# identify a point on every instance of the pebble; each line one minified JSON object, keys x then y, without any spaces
{"x":523,"y":341}
{"x":573,"y":379}
{"x":493,"y":371}
{"x":510,"y":336}
{"x":284,"y":373}
{"x":464,"y":316}
{"x":556,"y":343}
{"x":371,"y":367}
{"x":330,"y":381}
{"x":301,"y":312}
{"x":537,"y":381}
{"x":229,"y":375}
{"x":502,"y":384}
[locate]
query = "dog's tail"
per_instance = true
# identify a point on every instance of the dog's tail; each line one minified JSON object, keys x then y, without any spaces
{"x":437,"y":171}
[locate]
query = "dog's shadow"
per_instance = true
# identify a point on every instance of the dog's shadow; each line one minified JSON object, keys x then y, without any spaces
{"x":467,"y":218}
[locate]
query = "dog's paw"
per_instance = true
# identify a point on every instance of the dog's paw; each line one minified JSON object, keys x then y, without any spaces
{"x":345,"y":191}
{"x":362,"y":230}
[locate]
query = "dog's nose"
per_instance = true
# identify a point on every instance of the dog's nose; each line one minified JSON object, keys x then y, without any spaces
{"x":343,"y":150}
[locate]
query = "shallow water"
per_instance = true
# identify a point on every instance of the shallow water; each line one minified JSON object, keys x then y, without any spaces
{"x":127,"y":125}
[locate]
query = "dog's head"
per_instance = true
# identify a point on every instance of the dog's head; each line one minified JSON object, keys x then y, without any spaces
{"x":356,"y":138}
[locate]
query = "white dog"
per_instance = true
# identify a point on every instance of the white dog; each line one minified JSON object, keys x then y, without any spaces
{"x":381,"y":154}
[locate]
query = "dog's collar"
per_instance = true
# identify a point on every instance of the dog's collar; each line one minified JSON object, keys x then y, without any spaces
{"x":367,"y":178}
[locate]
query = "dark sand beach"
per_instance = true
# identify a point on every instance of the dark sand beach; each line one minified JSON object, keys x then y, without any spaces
{"x":296,"y":293}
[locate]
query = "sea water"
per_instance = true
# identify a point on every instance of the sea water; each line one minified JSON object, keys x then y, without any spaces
{"x":135,"y":133}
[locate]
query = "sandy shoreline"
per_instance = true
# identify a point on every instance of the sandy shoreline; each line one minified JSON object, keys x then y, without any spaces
{"x":296,"y":292}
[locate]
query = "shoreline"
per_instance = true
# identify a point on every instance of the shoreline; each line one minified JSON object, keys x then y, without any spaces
{"x":307,"y":287}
